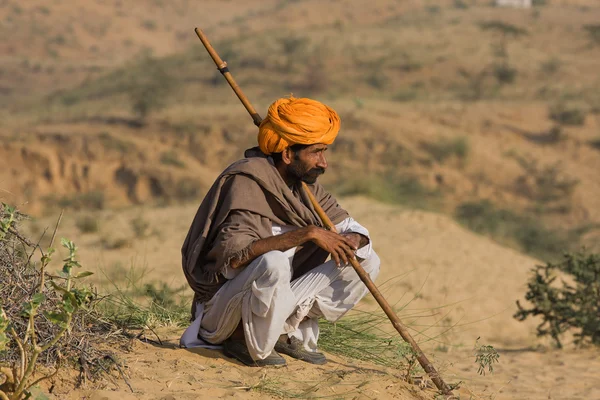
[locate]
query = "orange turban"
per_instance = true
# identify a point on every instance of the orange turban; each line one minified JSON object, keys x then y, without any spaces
{"x":297,"y":121}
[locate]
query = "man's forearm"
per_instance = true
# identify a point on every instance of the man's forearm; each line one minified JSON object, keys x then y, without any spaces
{"x":282,"y":242}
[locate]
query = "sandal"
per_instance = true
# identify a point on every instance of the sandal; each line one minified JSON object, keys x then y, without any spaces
{"x":237,"y":349}
{"x":294,"y":348}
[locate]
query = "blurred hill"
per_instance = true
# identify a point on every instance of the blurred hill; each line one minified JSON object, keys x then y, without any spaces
{"x":488,"y":114}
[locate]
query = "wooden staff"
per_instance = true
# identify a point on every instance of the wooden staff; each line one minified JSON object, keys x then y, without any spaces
{"x":425,"y":363}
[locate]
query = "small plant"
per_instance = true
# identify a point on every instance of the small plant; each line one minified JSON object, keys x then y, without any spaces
{"x":550,"y":66}
{"x":444,"y":148}
{"x":547,"y":186}
{"x":171,"y":158}
{"x":93,"y":200}
{"x":460,"y":4}
{"x":593,"y":31}
{"x":150,"y":88}
{"x":567,"y":115}
{"x":140,"y":226}
{"x":504,"y":73}
{"x":406,"y":94}
{"x":18,"y":377}
{"x":45,"y":319}
{"x":485,"y":357}
{"x":149,"y":25}
{"x":87,"y":224}
{"x":595,"y":143}
{"x":572,"y":305}
{"x":528,"y":233}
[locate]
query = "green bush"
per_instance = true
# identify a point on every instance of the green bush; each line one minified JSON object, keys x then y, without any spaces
{"x":38,"y":312}
{"x":569,"y":306}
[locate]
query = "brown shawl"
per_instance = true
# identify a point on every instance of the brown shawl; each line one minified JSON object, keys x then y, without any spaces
{"x":240,"y":208}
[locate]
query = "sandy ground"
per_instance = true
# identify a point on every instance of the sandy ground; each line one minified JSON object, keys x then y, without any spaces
{"x":450,"y":286}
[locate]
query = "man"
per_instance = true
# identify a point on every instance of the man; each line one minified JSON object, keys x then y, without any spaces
{"x":256,"y":250}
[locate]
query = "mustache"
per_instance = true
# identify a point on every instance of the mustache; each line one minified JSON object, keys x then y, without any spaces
{"x":316,"y":171}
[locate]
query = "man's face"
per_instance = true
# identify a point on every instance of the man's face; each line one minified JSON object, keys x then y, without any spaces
{"x":309,"y":163}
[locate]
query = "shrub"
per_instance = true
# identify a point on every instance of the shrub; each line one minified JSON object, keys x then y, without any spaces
{"x":503,"y":28}
{"x":87,"y":224}
{"x":546,"y":186}
{"x":40,"y":315}
{"x":567,"y":115}
{"x":93,"y":200}
{"x":405,"y":190}
{"x":445,"y":148}
{"x":504,"y":73}
{"x":550,"y":66}
{"x":171,"y":158}
{"x":570,"y":306}
{"x":595,"y":143}
{"x":149,"y":88}
{"x":528,"y":233}
{"x":593,"y":32}
{"x":140,"y":226}
{"x":403,"y":95}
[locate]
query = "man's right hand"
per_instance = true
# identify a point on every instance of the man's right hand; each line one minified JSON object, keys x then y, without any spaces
{"x":341,"y":248}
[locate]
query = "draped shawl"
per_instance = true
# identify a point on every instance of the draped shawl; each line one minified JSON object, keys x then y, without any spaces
{"x":253,"y":188}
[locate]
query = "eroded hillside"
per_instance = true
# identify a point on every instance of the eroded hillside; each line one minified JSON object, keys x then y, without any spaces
{"x":486,"y":113}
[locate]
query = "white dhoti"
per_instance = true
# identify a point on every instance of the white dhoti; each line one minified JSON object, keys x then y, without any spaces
{"x":269,"y":304}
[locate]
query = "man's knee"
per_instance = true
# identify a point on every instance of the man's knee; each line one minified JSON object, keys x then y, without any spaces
{"x":371,"y":265}
{"x":276,"y":265}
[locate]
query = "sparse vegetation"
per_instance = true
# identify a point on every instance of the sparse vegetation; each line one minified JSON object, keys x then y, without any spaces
{"x":551,"y":66}
{"x":567,"y":114}
{"x":444,"y":148}
{"x":547,"y":186}
{"x":485,"y":357}
{"x":44,"y":319}
{"x":109,"y":142}
{"x":571,"y":305}
{"x":140,"y":226}
{"x":526,"y":232}
{"x":150,"y":88}
{"x":595,"y":143}
{"x":112,"y":241}
{"x":593,"y":31}
{"x":87,"y":223}
{"x":405,"y":190}
{"x":171,"y":158}
{"x":93,"y":200}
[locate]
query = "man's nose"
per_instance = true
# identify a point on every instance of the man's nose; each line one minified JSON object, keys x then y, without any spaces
{"x":322,"y":162}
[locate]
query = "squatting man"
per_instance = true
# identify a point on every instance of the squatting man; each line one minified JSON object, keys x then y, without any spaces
{"x":256,"y":251}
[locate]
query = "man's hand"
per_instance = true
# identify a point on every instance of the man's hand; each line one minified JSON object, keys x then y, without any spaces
{"x":339,"y":246}
{"x":357,"y":239}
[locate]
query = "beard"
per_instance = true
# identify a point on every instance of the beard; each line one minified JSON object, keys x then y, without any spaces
{"x":302,"y":174}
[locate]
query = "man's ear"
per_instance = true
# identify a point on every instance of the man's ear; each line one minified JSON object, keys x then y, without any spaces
{"x":287,"y":156}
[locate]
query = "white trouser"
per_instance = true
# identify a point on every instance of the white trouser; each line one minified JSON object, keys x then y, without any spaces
{"x":268,"y":304}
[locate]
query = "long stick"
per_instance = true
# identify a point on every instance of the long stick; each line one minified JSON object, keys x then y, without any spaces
{"x":385,"y":306}
{"x":222,"y":67}
{"x":425,"y":363}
